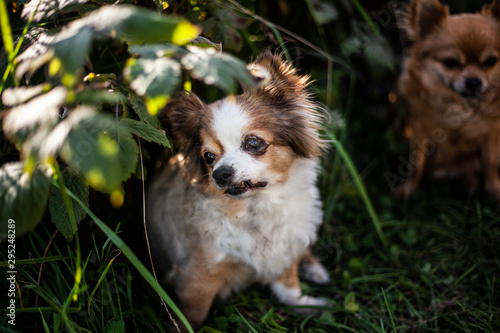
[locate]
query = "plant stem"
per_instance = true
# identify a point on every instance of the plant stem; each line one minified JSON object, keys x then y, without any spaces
{"x":359,"y":184}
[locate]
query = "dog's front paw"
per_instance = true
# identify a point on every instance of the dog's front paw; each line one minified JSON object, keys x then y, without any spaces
{"x":315,"y":272}
{"x":302,"y":304}
{"x":308,"y":305}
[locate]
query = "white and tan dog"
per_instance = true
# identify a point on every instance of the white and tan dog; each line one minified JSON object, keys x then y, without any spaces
{"x":239,"y":204}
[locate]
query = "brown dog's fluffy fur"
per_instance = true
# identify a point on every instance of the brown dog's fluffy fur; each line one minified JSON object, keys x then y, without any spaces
{"x":450,"y":93}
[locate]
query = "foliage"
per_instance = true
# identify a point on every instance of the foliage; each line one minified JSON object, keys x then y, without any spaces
{"x":85,"y":134}
{"x":81,"y":85}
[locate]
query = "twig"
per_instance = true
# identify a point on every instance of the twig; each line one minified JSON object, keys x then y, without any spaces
{"x":147,"y":237}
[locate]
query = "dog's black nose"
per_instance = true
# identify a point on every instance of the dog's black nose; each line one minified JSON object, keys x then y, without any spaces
{"x":473,"y":86}
{"x":223,"y":175}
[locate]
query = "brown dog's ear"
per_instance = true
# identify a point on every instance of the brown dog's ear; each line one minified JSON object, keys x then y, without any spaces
{"x":182,"y":119}
{"x":423,"y":17}
{"x":274,"y":74}
{"x":296,"y":118}
{"x":493,"y":9}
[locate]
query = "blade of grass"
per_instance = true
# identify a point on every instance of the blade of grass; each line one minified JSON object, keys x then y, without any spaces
{"x":146,"y":232}
{"x":45,"y":326}
{"x":101,"y":278}
{"x":361,"y":187}
{"x":117,"y":295}
{"x":8,"y":43}
{"x":366,"y":17}
{"x":281,"y":41}
{"x":133,"y":259}
{"x":246,"y":321}
{"x":35,"y":261}
{"x":48,"y":309}
{"x":389,"y":310}
{"x":74,"y":227}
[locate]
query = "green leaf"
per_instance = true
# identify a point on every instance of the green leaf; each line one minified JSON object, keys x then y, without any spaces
{"x":76,"y":184}
{"x":323,"y":12}
{"x":71,"y":47}
{"x":42,"y":111}
{"x":115,"y":326}
{"x":141,"y":110}
{"x":23,"y":196}
{"x":72,"y":44}
{"x":224,"y":27}
{"x":99,"y":97}
{"x":18,"y":95}
{"x":153,"y":77}
{"x":146,"y":132}
{"x":37,"y":54}
{"x":102,"y":150}
{"x":45,"y":9}
{"x":155,"y":50}
{"x":215,"y":68}
{"x":350,"y":302}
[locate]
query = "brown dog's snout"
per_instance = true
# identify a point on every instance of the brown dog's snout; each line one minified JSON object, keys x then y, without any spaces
{"x":473,"y":87}
{"x":223,"y":175}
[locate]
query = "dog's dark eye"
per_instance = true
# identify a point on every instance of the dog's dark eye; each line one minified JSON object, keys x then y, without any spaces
{"x":490,"y":61}
{"x":209,"y":157}
{"x":451,"y":62}
{"x":254,"y":144}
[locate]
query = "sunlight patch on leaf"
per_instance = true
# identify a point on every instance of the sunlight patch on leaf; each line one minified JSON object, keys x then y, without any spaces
{"x":99,"y":148}
{"x":116,"y":199}
{"x":39,"y":112}
{"x":37,"y":54}
{"x":140,"y":108}
{"x":18,"y":95}
{"x":72,"y":44}
{"x":155,"y":50}
{"x":45,"y":9}
{"x":153,"y":77}
{"x":215,"y":68}
{"x":184,"y":32}
{"x":155,"y":104}
{"x":107,"y":146}
{"x":51,"y":143}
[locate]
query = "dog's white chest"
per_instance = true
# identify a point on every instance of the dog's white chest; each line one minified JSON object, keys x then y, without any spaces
{"x":271,"y":232}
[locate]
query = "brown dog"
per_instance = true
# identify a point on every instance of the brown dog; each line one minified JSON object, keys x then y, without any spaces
{"x":450,"y":92}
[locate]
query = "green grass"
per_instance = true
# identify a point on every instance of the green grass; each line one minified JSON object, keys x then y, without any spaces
{"x":438,"y":273}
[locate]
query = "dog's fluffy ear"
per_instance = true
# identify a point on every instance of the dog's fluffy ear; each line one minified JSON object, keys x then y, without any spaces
{"x":423,"y":17}
{"x":493,"y":9}
{"x":296,"y":117}
{"x":182,"y":119}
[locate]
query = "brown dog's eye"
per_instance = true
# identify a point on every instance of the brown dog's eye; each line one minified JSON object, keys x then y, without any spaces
{"x":209,"y":157}
{"x":490,"y":61}
{"x":254,"y":145}
{"x":451,"y":62}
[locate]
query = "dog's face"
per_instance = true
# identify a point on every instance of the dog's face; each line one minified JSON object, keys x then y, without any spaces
{"x":460,"y":51}
{"x":242,"y":157}
{"x":242,"y":145}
